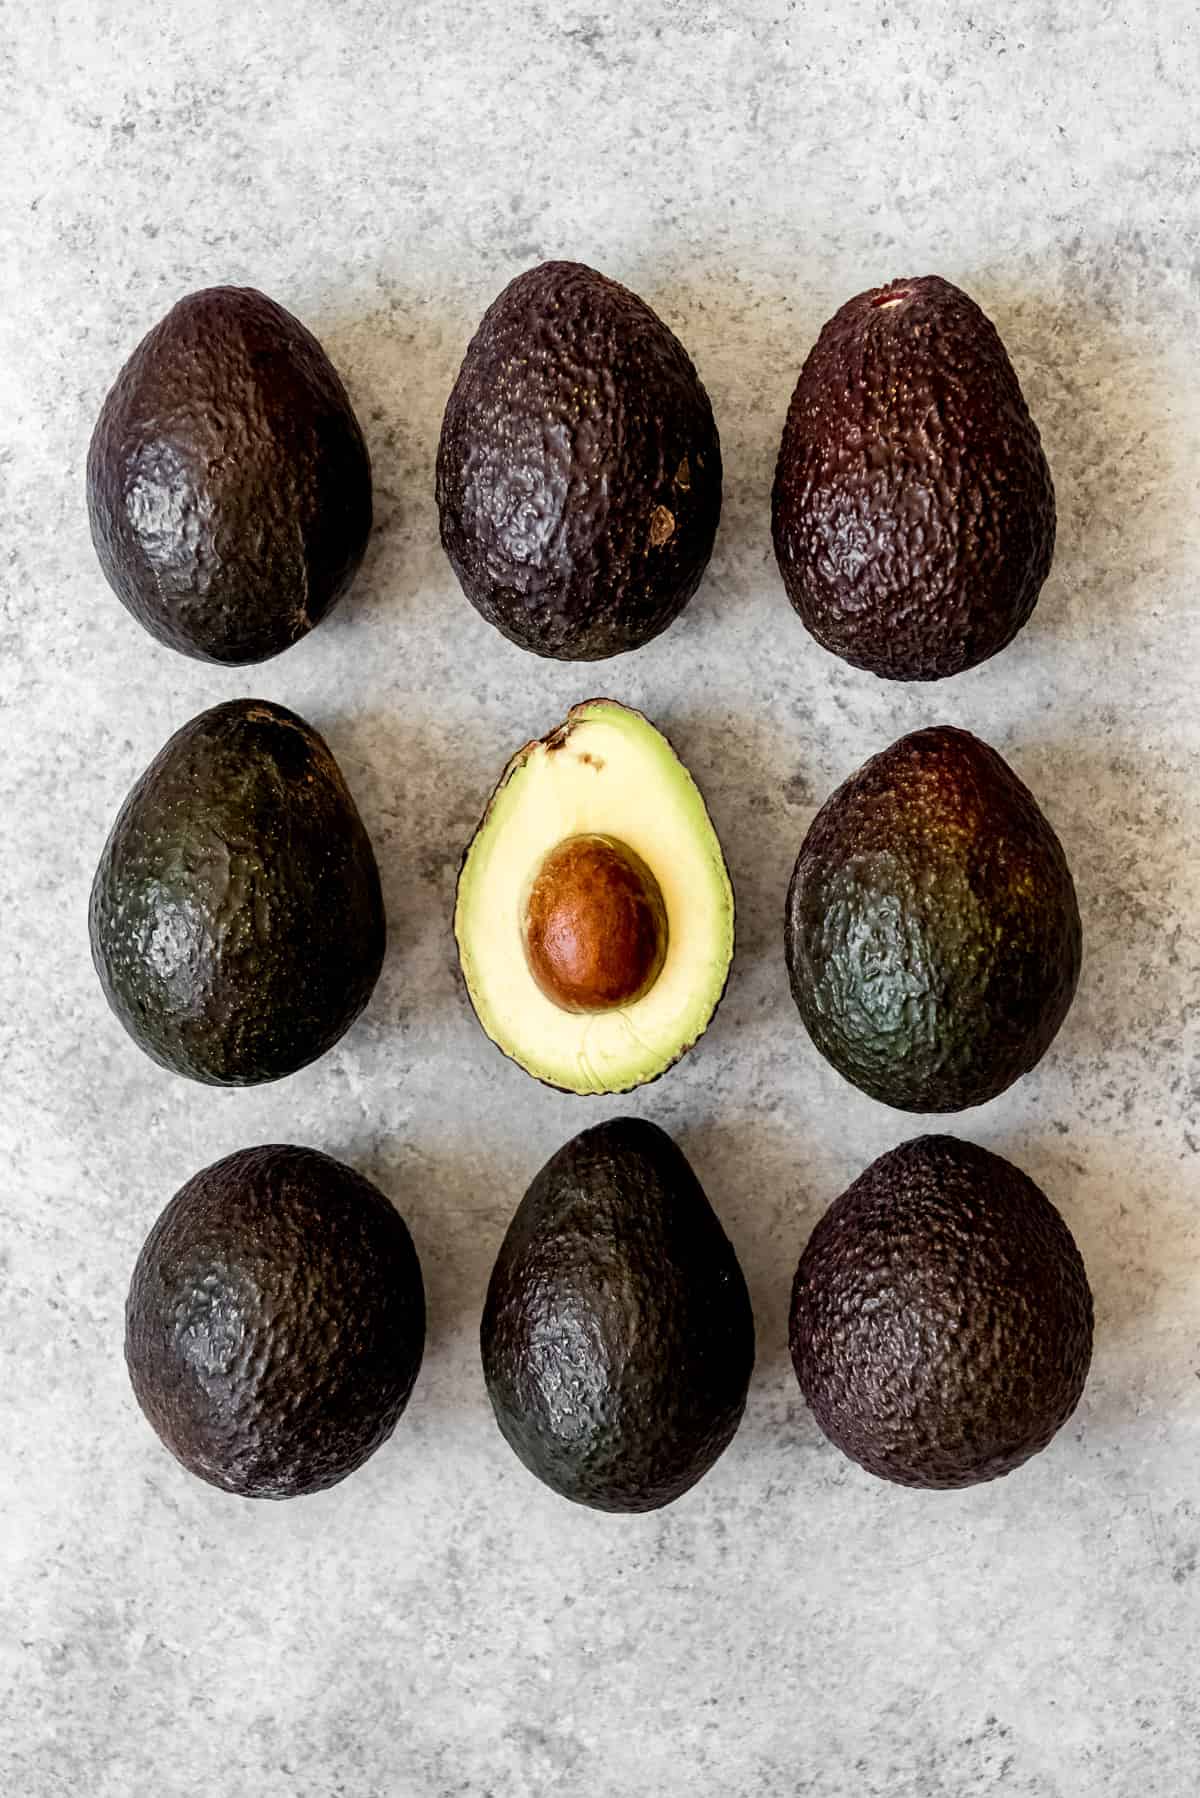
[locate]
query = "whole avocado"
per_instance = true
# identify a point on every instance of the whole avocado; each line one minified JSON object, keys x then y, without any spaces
{"x":275,"y":1322}
{"x":932,"y":932}
{"x":236,"y":916}
{"x":913,"y":510}
{"x":228,"y":484}
{"x":579,"y":468}
{"x":941,"y":1323}
{"x":617,"y":1337}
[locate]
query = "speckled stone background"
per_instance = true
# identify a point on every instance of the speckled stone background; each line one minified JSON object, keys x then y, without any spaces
{"x":439,"y":1624}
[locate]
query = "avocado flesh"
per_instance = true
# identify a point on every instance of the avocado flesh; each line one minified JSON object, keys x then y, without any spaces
{"x":913,"y":510}
{"x":932,"y":931}
{"x":236,"y":916}
{"x":605,"y":771}
{"x":617,"y":1337}
{"x":228,"y":483}
{"x":579,"y":467}
{"x":275,"y":1322}
{"x":941,"y":1323}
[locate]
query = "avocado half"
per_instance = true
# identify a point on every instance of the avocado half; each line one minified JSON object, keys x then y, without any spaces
{"x":606,"y":775}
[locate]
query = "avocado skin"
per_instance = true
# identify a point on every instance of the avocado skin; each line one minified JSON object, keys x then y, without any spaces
{"x":941,"y":1322}
{"x":228,"y":483}
{"x":564,"y":437}
{"x":932,"y":932}
{"x":913,"y":510}
{"x":236,"y":916}
{"x":617,"y":1336}
{"x":275,"y":1322}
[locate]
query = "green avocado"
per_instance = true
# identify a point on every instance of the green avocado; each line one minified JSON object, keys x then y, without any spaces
{"x":617,"y":1337}
{"x":236,"y":916}
{"x":579,"y":468}
{"x":913,"y":511}
{"x":941,"y":1323}
{"x":932,"y":931}
{"x":594,"y":917}
{"x":275,"y":1322}
{"x":228,"y":484}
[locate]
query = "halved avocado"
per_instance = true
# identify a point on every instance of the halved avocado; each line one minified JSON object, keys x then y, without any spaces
{"x":594,"y":917}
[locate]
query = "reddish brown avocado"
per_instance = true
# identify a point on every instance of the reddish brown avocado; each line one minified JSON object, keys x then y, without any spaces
{"x":228,"y":484}
{"x":941,"y":1325}
{"x":275,"y":1322}
{"x":932,"y":932}
{"x":913,"y":510}
{"x":579,"y":468}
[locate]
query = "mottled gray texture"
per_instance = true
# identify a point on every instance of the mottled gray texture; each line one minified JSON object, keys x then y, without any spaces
{"x":439,"y":1624}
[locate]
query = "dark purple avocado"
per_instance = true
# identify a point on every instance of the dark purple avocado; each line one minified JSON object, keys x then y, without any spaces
{"x":941,"y":1325}
{"x":228,"y":484}
{"x":913,"y":510}
{"x":275,"y":1322}
{"x":579,"y":467}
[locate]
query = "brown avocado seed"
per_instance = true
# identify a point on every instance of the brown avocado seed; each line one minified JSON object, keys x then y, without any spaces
{"x":594,"y":925}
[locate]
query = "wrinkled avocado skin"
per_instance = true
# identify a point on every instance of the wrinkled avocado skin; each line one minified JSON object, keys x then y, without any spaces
{"x":941,"y":1324}
{"x":913,"y":509}
{"x":236,"y":917}
{"x":275,"y":1322}
{"x":228,"y":484}
{"x":617,"y":1336}
{"x":579,"y":468}
{"x":932,"y":932}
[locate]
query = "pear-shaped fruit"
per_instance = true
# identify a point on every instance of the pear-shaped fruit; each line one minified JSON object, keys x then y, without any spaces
{"x":236,"y":917}
{"x":617,"y":1337}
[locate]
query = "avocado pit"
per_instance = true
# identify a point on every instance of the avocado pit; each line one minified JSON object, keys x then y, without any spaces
{"x":594,"y":925}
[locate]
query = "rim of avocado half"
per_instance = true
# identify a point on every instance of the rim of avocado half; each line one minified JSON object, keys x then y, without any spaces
{"x":606,"y":771}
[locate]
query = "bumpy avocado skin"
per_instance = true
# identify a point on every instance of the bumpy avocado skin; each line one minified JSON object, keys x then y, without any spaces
{"x":275,"y":1322}
{"x":236,"y":916}
{"x":579,"y":468}
{"x":913,"y":509}
{"x":617,"y":1337}
{"x":941,"y":1323}
{"x":932,"y":932}
{"x":228,"y":483}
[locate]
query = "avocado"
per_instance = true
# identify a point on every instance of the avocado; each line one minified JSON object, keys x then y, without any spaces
{"x":275,"y":1322}
{"x":594,"y":917}
{"x":913,"y":511}
{"x":932,"y":932}
{"x":941,"y":1324}
{"x":617,"y":1336}
{"x":228,"y":484}
{"x":579,"y":468}
{"x":236,"y":916}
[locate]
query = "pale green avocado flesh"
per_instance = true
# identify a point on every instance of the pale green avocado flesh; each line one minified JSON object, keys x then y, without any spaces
{"x":606,"y":771}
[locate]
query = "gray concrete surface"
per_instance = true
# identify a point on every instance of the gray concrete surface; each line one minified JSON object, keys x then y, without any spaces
{"x":440,"y":1624}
